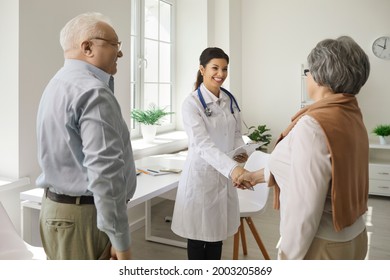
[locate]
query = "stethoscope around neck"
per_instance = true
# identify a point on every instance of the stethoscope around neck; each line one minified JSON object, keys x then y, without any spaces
{"x":208,"y":111}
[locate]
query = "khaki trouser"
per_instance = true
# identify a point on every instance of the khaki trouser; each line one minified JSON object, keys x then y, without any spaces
{"x":69,"y":232}
{"x":355,"y":249}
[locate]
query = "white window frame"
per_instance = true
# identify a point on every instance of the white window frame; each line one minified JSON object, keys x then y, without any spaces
{"x":138,"y":64}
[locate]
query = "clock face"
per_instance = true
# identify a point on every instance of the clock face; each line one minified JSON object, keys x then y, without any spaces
{"x":381,"y":47}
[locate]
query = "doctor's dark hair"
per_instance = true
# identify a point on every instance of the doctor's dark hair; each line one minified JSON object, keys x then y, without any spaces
{"x":340,"y":65}
{"x":205,"y":57}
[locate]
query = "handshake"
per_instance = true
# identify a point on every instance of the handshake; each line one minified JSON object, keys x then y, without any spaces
{"x":244,"y":179}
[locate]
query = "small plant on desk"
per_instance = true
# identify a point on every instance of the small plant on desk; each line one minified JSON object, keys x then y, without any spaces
{"x":259,"y":134}
{"x":382,"y":130}
{"x":150,"y":116}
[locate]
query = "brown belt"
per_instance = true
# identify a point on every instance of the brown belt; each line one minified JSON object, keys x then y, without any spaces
{"x":62,"y":198}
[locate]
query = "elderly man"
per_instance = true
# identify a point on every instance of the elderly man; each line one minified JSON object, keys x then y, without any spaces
{"x":84,"y":149}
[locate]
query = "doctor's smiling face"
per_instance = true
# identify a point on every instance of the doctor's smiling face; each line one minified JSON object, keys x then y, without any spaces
{"x":214,"y":74}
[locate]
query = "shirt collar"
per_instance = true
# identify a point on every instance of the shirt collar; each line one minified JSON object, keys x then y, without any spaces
{"x":210,"y":97}
{"x":100,"y":74}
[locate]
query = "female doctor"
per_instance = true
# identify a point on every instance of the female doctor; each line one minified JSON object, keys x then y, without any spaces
{"x":206,"y":208}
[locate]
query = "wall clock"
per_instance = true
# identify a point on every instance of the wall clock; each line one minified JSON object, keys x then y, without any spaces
{"x":381,"y":47}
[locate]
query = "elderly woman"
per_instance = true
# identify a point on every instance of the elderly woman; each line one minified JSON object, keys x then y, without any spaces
{"x":320,"y":163}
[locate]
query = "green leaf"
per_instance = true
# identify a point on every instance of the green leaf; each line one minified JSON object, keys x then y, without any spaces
{"x":382,"y":130}
{"x":151,"y":116}
{"x":258,"y":134}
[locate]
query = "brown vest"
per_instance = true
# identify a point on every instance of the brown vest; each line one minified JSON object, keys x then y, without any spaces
{"x":340,"y":117}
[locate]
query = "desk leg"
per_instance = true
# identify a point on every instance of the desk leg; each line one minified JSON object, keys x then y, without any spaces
{"x":148,"y":219}
{"x":148,"y":229}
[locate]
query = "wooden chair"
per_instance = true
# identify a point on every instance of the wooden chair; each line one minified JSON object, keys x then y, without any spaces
{"x":252,"y":203}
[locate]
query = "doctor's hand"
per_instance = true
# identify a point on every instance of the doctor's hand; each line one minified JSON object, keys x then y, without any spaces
{"x":251,"y":178}
{"x":241,"y":158}
{"x":237,"y":172}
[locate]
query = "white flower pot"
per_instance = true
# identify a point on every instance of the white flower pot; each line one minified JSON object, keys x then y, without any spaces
{"x":148,"y":132}
{"x":382,"y":140}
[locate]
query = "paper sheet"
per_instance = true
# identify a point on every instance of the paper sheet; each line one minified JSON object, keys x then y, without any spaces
{"x":157,"y":170}
{"x":248,"y":148}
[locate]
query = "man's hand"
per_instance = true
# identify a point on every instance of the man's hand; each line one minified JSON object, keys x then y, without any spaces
{"x":117,"y":255}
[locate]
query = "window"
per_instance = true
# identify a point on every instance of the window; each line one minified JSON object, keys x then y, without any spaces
{"x":152,"y":62}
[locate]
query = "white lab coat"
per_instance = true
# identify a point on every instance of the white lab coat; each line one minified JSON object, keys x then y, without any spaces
{"x":206,"y":206}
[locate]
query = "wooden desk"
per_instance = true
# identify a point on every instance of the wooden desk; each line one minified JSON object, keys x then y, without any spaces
{"x":148,"y":187}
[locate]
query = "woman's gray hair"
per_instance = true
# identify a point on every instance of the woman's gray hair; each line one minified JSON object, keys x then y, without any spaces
{"x":340,"y":65}
{"x":80,"y":28}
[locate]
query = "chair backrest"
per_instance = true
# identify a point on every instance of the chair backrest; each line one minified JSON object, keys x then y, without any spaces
{"x":252,"y":202}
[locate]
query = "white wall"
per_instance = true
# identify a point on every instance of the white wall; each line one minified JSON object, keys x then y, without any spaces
{"x":9,"y":93}
{"x":235,"y":49}
{"x":201,"y":24}
{"x":191,"y":28}
{"x":278,"y":35}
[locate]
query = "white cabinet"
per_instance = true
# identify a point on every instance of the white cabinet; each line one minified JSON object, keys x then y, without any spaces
{"x":379,"y":170}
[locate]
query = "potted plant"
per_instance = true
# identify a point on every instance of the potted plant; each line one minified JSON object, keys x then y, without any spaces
{"x":149,"y":119}
{"x":259,"y":134}
{"x":382,"y":130}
